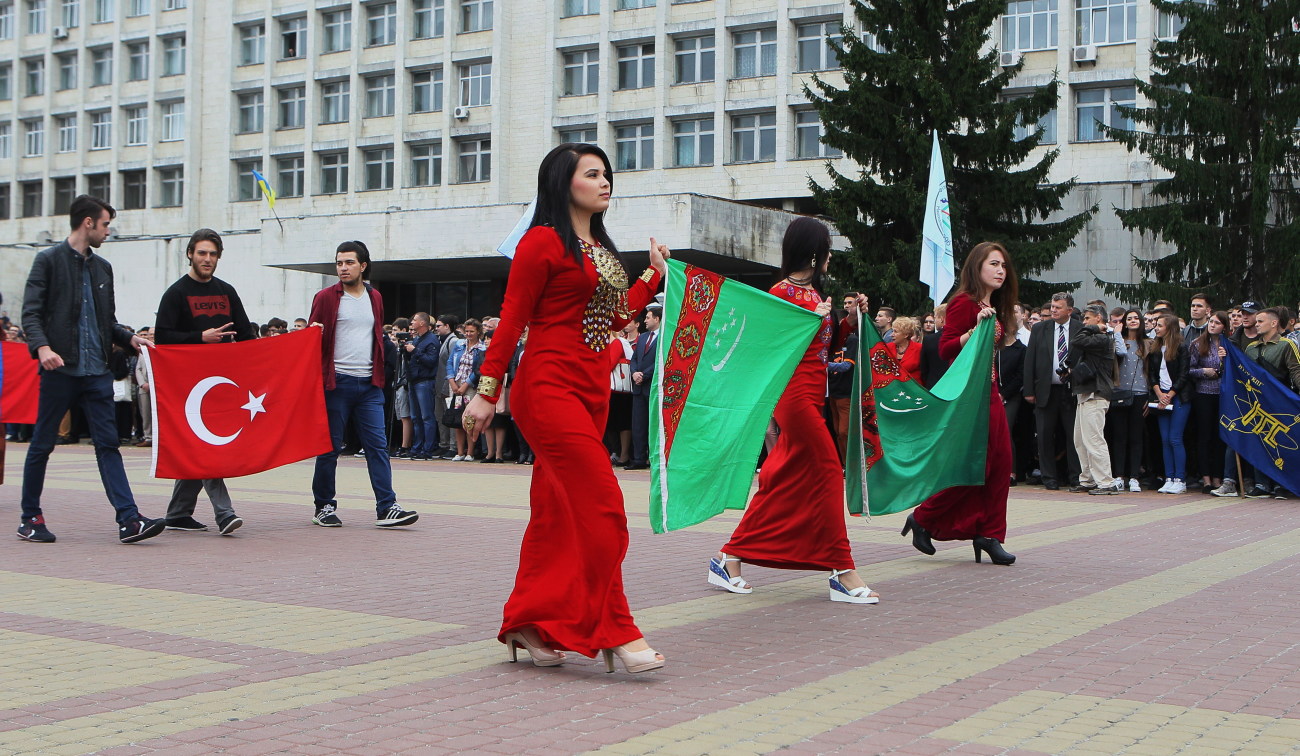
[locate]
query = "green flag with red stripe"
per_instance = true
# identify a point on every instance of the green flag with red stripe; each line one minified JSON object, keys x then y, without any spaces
{"x":727,"y":353}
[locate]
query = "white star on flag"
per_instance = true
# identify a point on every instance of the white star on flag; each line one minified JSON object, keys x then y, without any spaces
{"x":254,"y":405}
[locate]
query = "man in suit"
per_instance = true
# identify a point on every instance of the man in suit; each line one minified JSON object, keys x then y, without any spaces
{"x":1048,"y":392}
{"x":643,"y":374}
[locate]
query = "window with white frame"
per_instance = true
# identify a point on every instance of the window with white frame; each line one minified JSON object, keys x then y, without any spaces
{"x":808,"y":133}
{"x":6,"y":81}
{"x":476,"y":84}
{"x":636,"y":65}
{"x":475,"y":159}
{"x":137,"y":61}
{"x":580,"y":8}
{"x":173,"y":121}
{"x":101,"y":66}
{"x":293,"y":107}
{"x":100,"y":185}
{"x":378,"y":168}
{"x":813,"y":44}
{"x":101,"y":130}
{"x":246,"y":188}
{"x":381,"y":95}
{"x":35,"y":68}
{"x":429,"y":19}
{"x":251,"y":107}
{"x":171,"y":5}
{"x":134,"y":190}
{"x":137,"y":125}
{"x":67,"y":128}
{"x":35,"y":16}
{"x":34,"y":137}
{"x":580,"y":135}
{"x":171,"y":186}
{"x":293,"y":37}
{"x":1105,"y":22}
{"x":1170,"y":25}
{"x":426,"y":90}
{"x":335,"y":98}
{"x":6,"y":20}
{"x":333,"y":172}
{"x":137,"y":8}
{"x":1100,"y":105}
{"x":71,"y":13}
{"x":252,"y":44}
{"x":1029,"y":25}
{"x":632,"y":4}
{"x":67,"y":70}
{"x":581,"y":72}
{"x":754,"y":53}
{"x":292,"y":172}
{"x":753,"y":137}
{"x":694,"y":59}
{"x":33,"y":198}
{"x":475,"y":15}
{"x":426,"y":164}
{"x":337,"y":28}
{"x":381,"y":24}
{"x":693,"y":142}
{"x":634,"y":147}
{"x":1025,"y":130}
{"x":6,"y":141}
{"x":173,"y":55}
{"x":105,"y":11}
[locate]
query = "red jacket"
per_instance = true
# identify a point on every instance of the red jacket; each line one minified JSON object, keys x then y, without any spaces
{"x":325,"y":310}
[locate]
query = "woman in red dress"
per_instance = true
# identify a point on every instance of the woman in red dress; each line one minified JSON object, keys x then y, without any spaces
{"x":796,"y":520}
{"x":987,"y":289}
{"x":569,"y":287}
{"x":906,"y":347}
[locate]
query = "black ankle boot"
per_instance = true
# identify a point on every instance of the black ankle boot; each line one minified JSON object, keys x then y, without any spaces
{"x":920,"y":538}
{"x":990,"y":546}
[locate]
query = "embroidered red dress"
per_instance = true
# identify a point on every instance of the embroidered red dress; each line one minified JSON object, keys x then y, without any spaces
{"x":965,"y":512}
{"x":796,"y":519}
{"x":570,"y":583}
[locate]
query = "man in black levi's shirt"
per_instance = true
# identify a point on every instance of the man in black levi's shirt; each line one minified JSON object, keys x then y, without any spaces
{"x":201,"y":309}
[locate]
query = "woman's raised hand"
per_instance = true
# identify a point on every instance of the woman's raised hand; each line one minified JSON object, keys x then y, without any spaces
{"x":823,"y":308}
{"x":659,"y":256}
{"x":477,"y":417}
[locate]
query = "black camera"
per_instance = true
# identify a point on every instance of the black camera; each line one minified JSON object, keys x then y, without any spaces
{"x":402,"y":336}
{"x":1063,"y":371}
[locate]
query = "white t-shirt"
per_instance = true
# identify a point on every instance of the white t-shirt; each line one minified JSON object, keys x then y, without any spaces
{"x":354,"y":336}
{"x":1166,"y":380}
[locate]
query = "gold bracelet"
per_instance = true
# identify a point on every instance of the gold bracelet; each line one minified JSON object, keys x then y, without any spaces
{"x":649,"y":275}
{"x":487,"y":386}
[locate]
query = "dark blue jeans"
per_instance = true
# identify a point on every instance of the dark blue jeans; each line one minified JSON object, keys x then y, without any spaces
{"x":94,"y":393}
{"x":362,"y":402}
{"x":424,"y":437}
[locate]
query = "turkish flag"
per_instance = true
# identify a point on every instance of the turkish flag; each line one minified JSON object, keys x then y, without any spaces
{"x":20,"y":383}
{"x":226,"y":410}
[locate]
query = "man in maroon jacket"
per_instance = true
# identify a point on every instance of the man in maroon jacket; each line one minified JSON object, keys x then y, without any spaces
{"x":351,"y":313}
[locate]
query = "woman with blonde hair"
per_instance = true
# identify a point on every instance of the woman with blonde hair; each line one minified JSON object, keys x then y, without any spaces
{"x":906,"y":346}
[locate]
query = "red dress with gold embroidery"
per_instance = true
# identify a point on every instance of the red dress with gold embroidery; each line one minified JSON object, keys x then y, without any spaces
{"x":570,"y":583}
{"x":964,"y":512}
{"x":796,"y":519}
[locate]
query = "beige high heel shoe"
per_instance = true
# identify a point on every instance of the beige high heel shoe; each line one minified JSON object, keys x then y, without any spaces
{"x":633,"y":661}
{"x":542,"y":657}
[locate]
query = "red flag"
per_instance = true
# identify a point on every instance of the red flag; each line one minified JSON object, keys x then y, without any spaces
{"x":226,"y":410}
{"x":20,"y":382}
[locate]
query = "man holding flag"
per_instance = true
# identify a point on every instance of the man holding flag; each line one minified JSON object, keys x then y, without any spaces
{"x":201,"y":309}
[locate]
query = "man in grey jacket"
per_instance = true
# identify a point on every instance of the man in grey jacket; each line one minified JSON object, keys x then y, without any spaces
{"x":1092,"y":379}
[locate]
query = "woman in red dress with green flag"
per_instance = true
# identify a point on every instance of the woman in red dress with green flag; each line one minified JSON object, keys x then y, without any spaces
{"x":987,"y":288}
{"x":796,"y":520}
{"x":569,"y":287}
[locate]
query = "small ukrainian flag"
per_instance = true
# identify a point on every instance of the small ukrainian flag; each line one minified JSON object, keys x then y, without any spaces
{"x":267,"y":191}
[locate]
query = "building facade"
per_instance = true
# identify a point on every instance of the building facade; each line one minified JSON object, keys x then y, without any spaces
{"x":417,"y":126}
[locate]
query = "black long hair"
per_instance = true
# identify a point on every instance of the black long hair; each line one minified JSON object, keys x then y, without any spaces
{"x":806,"y":244}
{"x":553,"y":179}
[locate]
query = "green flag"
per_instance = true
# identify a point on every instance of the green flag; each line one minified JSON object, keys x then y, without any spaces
{"x":905,"y":452}
{"x":727,"y":353}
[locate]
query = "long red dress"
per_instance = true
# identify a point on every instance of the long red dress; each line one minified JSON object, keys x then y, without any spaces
{"x":965,"y":512}
{"x":796,"y":519}
{"x":570,"y":583}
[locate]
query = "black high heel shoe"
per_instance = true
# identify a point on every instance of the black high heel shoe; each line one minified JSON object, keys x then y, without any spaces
{"x":990,"y":546}
{"x":920,"y":537}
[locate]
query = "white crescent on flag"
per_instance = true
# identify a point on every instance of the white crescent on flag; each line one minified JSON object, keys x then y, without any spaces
{"x":194,"y":409}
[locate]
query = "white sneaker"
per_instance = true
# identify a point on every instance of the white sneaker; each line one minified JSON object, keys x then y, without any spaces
{"x":1118,"y":485}
{"x":1134,"y":486}
{"x":1178,"y":487}
{"x":458,"y":458}
{"x":1165,"y":488}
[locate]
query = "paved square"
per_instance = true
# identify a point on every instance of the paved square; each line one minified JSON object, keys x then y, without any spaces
{"x":1141,"y":623}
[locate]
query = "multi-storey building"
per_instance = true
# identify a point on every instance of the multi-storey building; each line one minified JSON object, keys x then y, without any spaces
{"x":417,"y":126}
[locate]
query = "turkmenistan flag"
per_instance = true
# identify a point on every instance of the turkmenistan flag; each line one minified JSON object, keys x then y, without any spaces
{"x":727,"y":354}
{"x":915,"y":443}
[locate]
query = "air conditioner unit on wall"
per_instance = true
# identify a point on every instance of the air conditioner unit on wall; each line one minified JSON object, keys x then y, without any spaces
{"x":1085,"y":54}
{"x":461,"y":112}
{"x":1010,"y":58}
{"x":60,"y":32}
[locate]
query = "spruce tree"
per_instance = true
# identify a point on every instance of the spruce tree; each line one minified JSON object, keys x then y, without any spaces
{"x":932,"y":69}
{"x":1224,"y":106}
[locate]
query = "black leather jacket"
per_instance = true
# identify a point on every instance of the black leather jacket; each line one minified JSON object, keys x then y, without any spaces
{"x":52,"y":303}
{"x":1178,"y":372}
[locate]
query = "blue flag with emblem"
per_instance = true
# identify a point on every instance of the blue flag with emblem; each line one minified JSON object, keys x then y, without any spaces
{"x":937,"y":262}
{"x":1258,"y":417}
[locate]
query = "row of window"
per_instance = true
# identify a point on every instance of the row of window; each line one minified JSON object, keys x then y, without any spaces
{"x":67,"y":129}
{"x":1093,"y":107}
{"x":99,"y":60}
{"x":169,"y":191}
{"x":1032,"y":24}
{"x":67,"y":13}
